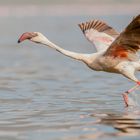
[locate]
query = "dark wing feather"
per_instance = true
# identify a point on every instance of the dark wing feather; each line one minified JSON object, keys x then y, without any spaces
{"x":128,"y":42}
{"x":99,"y":26}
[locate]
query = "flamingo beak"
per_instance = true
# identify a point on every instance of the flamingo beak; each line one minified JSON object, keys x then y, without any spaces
{"x":26,"y":35}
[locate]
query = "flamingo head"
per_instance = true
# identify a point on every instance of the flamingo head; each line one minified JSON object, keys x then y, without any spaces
{"x":32,"y":36}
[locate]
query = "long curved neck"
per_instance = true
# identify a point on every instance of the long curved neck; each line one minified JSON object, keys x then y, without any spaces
{"x":77,"y":56}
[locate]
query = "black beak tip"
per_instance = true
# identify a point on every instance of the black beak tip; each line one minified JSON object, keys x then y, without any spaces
{"x":18,"y":41}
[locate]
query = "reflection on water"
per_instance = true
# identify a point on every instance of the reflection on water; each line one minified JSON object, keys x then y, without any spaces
{"x":126,"y":124}
{"x":134,"y":98}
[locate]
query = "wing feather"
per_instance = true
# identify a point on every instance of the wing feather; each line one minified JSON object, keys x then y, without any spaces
{"x":98,"y":33}
{"x":128,"y":42}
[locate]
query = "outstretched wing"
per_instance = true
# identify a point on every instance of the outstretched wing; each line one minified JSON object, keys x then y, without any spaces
{"x":98,"y":33}
{"x":127,"y":43}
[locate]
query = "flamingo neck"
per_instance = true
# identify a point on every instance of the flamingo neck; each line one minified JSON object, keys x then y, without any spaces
{"x":77,"y":56}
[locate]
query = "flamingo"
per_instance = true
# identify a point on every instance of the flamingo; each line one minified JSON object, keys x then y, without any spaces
{"x":116,"y":52}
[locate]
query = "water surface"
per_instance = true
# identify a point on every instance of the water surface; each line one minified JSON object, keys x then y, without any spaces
{"x":44,"y":95}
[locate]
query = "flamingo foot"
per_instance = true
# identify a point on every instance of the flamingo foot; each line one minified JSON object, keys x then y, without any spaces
{"x":138,"y":83}
{"x":125,"y":97}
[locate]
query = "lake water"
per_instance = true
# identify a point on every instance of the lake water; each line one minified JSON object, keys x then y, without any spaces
{"x":47,"y":96}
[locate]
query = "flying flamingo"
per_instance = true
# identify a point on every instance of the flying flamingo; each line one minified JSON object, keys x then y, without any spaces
{"x":116,"y":53}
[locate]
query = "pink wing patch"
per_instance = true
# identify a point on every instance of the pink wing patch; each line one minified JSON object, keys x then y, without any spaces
{"x":104,"y":39}
{"x":118,"y":51}
{"x":99,"y":33}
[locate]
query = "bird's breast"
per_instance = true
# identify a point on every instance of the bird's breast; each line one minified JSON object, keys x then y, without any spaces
{"x":107,"y":64}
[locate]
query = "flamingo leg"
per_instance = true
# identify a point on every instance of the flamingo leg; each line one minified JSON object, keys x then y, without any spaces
{"x":125,"y":94}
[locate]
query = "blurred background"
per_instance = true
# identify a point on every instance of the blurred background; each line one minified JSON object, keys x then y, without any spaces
{"x":45,"y":95}
{"x":80,"y":10}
